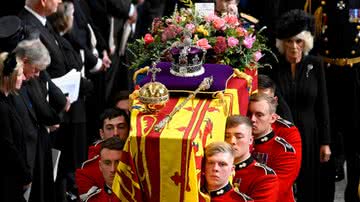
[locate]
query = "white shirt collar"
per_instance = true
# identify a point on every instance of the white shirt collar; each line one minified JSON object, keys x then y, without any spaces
{"x":42,"y":19}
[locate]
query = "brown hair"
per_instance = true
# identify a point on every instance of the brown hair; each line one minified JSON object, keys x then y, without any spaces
{"x":62,"y":19}
{"x":235,"y":120}
{"x":113,"y":143}
{"x":271,"y":101}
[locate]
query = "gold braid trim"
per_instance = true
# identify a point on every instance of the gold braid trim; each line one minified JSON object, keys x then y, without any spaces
{"x":307,"y":6}
{"x":318,"y":20}
{"x":133,"y":96}
{"x":140,"y":71}
{"x":243,"y":75}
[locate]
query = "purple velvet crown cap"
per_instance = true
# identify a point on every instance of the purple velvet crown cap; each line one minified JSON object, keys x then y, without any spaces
{"x":193,"y":50}
{"x":221,"y":74}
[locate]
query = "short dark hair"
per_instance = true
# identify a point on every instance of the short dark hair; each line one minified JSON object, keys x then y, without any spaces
{"x":265,"y":82}
{"x":235,"y":120}
{"x":121,"y":95}
{"x":111,"y":113}
{"x":113,"y":143}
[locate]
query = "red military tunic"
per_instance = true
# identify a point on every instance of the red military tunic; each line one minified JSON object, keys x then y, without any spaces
{"x":89,"y":175}
{"x":256,"y":180}
{"x":94,"y":149}
{"x":229,"y":194}
{"x":100,"y":195}
{"x":287,"y":130}
{"x":279,"y":155}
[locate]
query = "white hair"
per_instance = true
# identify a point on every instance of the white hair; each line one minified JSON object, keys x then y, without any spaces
{"x":35,"y":51}
{"x":305,"y":36}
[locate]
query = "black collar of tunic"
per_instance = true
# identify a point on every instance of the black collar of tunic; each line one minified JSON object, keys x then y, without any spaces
{"x":244,"y":164}
{"x":264,"y":139}
{"x":221,"y":191}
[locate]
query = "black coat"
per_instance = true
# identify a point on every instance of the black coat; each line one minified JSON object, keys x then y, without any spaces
{"x":35,"y":114}
{"x":306,"y":96}
{"x":15,"y":173}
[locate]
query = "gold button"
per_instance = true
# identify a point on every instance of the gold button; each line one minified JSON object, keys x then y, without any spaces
{"x":323,"y":3}
{"x":353,"y":52}
{"x":326,"y":39}
{"x":356,"y":39}
{"x":358,"y":27}
{"x":327,"y":52}
{"x":324,"y":14}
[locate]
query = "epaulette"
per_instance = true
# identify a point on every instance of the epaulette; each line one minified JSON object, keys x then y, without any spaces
{"x":285,"y":122}
{"x":91,"y":192}
{"x":249,"y":18}
{"x":97,"y":142}
{"x":267,"y":169}
{"x":244,"y":196}
{"x":88,"y":161}
{"x":288,"y":147}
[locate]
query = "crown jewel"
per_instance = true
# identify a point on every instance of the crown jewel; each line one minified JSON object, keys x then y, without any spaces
{"x":187,"y":59}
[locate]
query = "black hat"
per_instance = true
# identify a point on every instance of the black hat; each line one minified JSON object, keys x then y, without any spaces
{"x":9,"y":64}
{"x":293,"y":22}
{"x":13,"y":31}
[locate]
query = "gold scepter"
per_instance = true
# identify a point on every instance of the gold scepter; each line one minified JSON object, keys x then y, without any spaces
{"x":204,"y":85}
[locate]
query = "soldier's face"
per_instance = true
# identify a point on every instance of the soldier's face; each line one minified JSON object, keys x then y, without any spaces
{"x":218,"y":169}
{"x":115,"y":127}
{"x":240,"y":138}
{"x":261,"y":118}
{"x":293,"y":49}
{"x":109,"y":159}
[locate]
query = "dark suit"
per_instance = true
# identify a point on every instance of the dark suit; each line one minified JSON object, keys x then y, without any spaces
{"x":104,"y":9}
{"x":15,"y":173}
{"x":35,"y":114}
{"x":57,"y":66}
{"x":80,"y":35}
{"x":63,"y":59}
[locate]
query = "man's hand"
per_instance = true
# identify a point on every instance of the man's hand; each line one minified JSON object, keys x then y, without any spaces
{"x":325,"y":153}
{"x":106,"y":62}
{"x":53,"y":127}
{"x":68,"y":104}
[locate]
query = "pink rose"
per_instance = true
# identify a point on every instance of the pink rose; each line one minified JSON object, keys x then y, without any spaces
{"x":231,"y":20}
{"x":257,"y":55}
{"x":232,"y":41}
{"x":219,"y":24}
{"x":190,"y":27}
{"x":203,"y":43}
{"x":148,"y":39}
{"x":248,"y":41}
{"x":210,"y":17}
